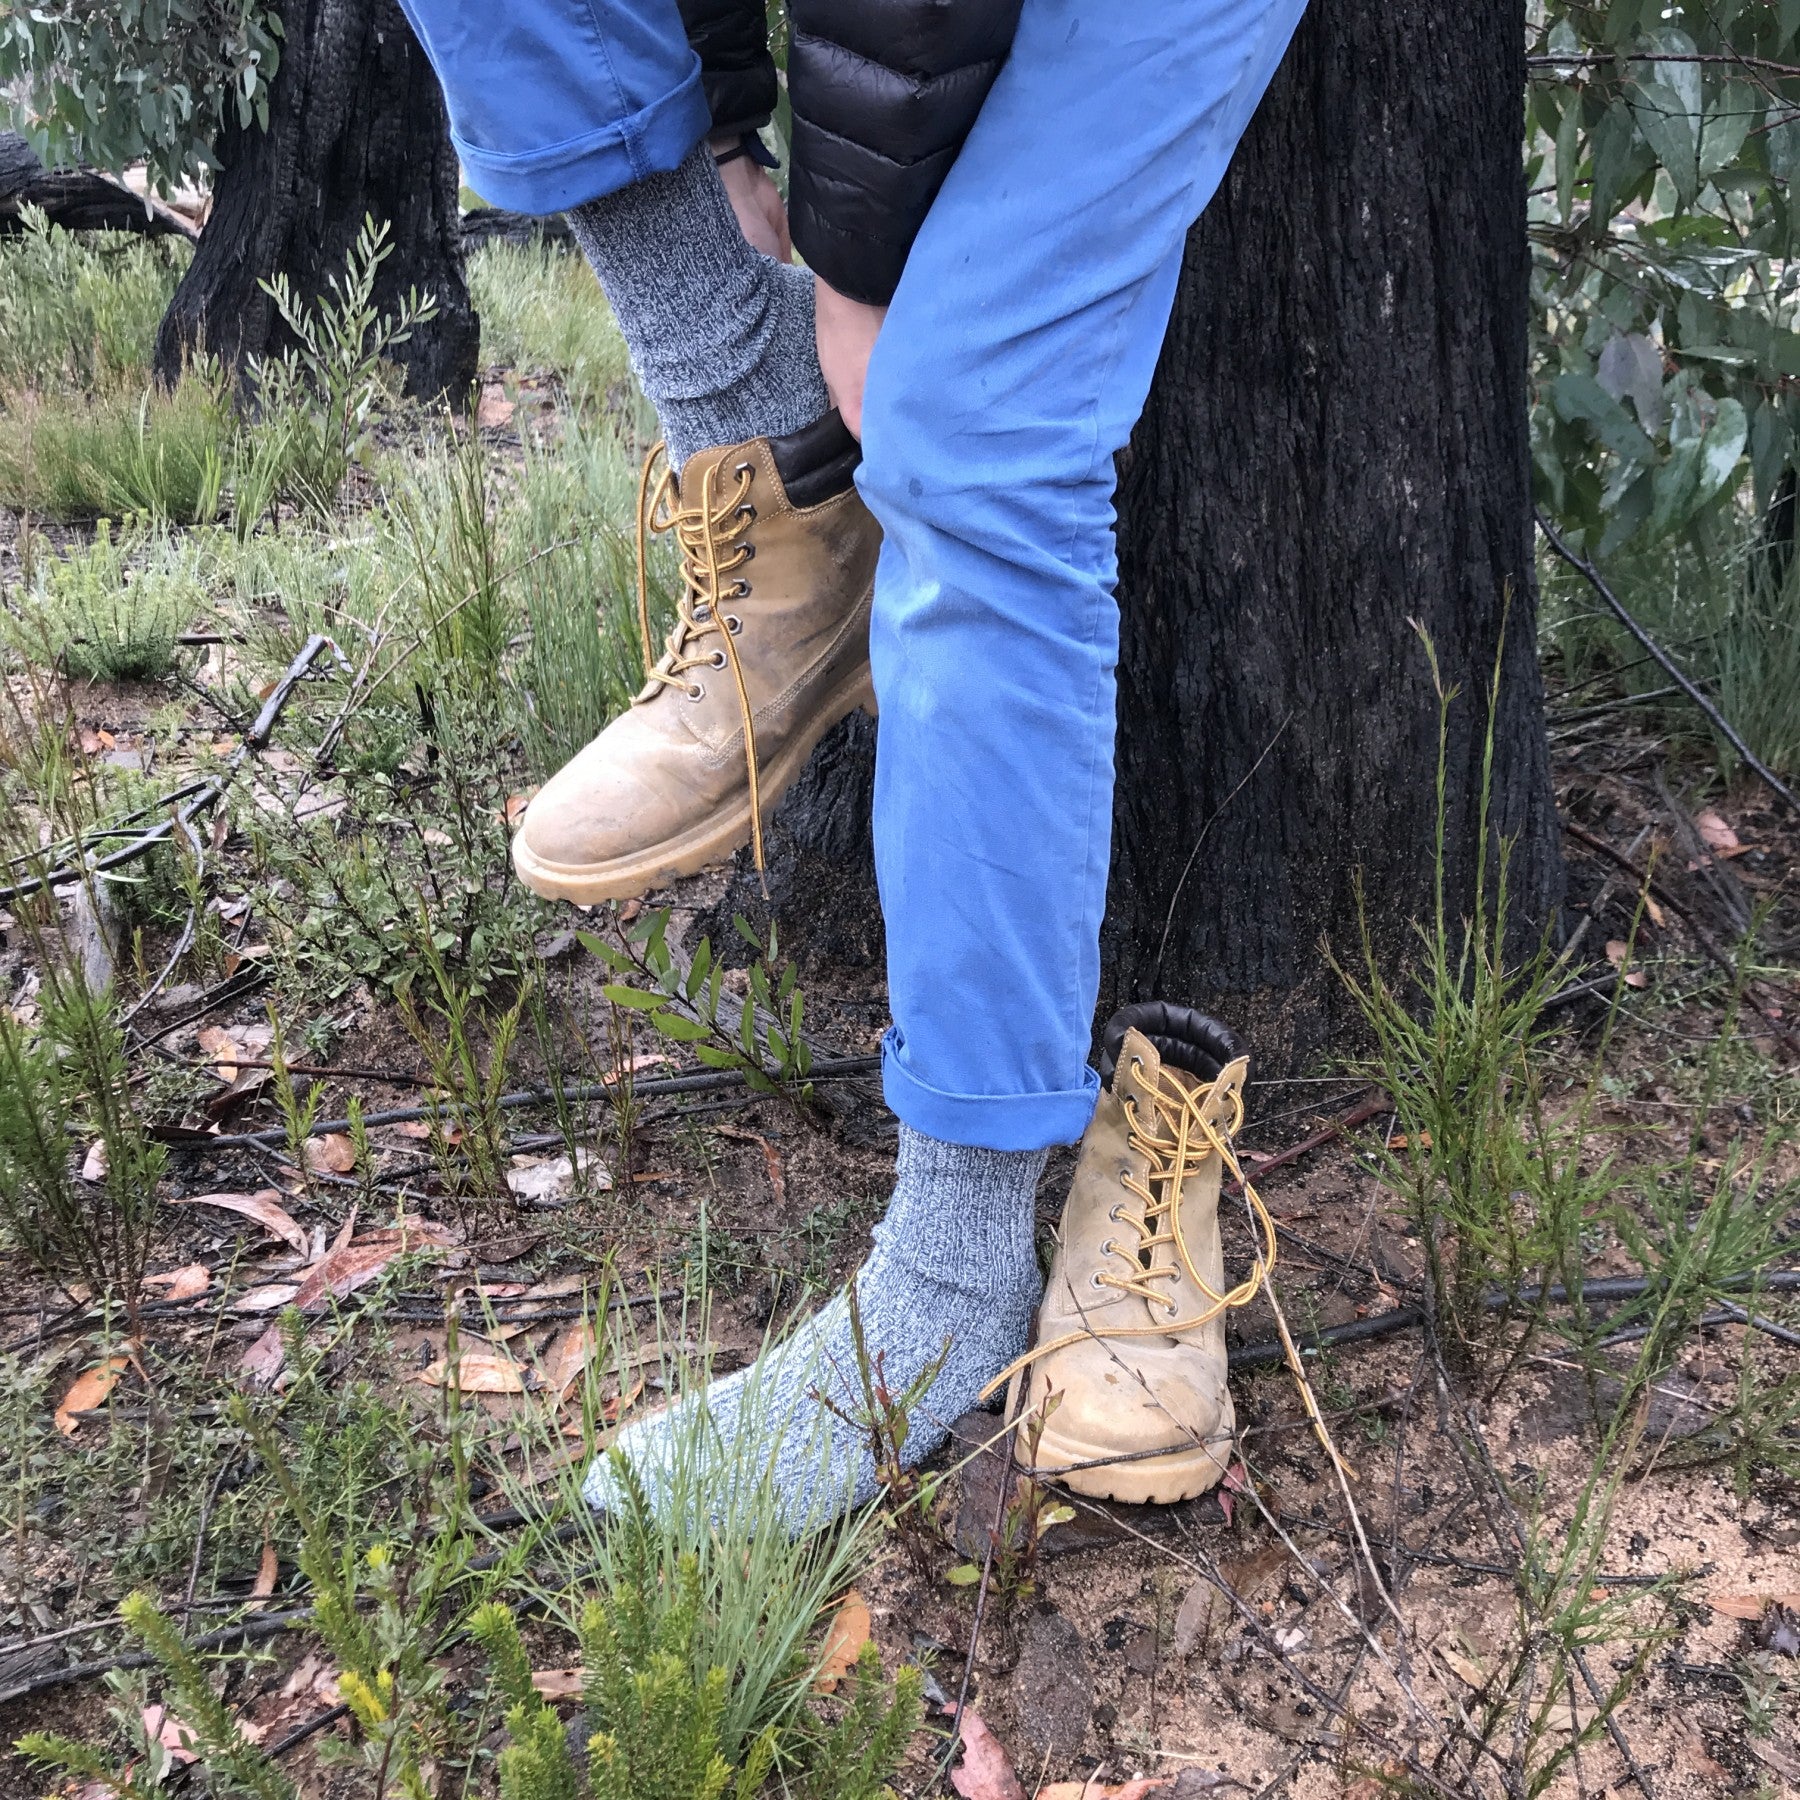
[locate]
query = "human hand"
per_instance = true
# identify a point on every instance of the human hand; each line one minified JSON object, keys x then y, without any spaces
{"x":756,"y":200}
{"x":846,"y":331}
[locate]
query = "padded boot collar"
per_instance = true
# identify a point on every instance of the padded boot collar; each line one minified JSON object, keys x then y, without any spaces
{"x":1183,"y":1038}
{"x":817,"y":462}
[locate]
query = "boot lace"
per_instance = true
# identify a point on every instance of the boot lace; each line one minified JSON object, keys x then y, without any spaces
{"x":1176,"y":1138}
{"x":710,"y":535}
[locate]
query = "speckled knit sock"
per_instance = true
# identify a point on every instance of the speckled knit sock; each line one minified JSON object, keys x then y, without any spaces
{"x":720,"y":335}
{"x":953,"y":1273}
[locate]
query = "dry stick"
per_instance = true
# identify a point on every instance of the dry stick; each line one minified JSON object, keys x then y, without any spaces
{"x":1462,"y":1438}
{"x":1657,"y":891}
{"x":1670,"y":667}
{"x":208,"y":795}
{"x":827,"y":1069}
{"x":1209,"y":1571}
{"x":249,"y":1630}
{"x":981,"y":1594}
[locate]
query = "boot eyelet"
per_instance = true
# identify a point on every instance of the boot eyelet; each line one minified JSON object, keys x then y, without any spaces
{"x":742,"y":590}
{"x":1095,"y":1282}
{"x":718,"y":659}
{"x":1113,"y":1214}
{"x":697,"y":691}
{"x":749,"y":552}
{"x":733,"y":624}
{"x":747,"y":512}
{"x":745,"y":468}
{"x":1109,"y":1248}
{"x":1137,"y":1062}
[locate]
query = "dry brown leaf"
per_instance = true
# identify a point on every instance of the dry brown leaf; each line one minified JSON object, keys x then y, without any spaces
{"x":94,"y":1164}
{"x":650,"y":1059}
{"x":175,"y":1735}
{"x":1616,"y":952}
{"x":221,"y":1048}
{"x":331,"y":1154}
{"x":568,"y":1359}
{"x":985,"y":1773}
{"x":1716,"y":834}
{"x":1750,"y":1606}
{"x":1202,"y":1609}
{"x":850,"y":1626}
{"x":557,"y":1684}
{"x":412,"y":1128}
{"x":264,"y":1207}
{"x":353,"y":1265}
{"x":494,"y":407}
{"x":1400,"y":1141}
{"x":476,"y":1372}
{"x":265,"y":1299}
{"x":261,"y":1363}
{"x":514,"y":809}
{"x":266,"y":1571}
{"x":182,"y":1284}
{"x":88,"y":1390}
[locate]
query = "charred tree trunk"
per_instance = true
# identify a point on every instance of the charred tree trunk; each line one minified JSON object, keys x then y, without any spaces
{"x":356,"y":127}
{"x":1335,"y":447}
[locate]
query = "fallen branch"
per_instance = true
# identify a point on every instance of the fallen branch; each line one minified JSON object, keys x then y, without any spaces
{"x":828,"y":1069}
{"x":256,"y":738}
{"x":1658,"y":892}
{"x":1410,"y":1318}
{"x":1670,"y":667}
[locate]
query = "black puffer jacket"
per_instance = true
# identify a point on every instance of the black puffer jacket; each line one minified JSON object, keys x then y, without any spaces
{"x":732,"y":38}
{"x":883,"y":92}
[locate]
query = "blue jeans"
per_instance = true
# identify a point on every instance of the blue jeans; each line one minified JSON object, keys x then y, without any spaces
{"x":1013,"y":364}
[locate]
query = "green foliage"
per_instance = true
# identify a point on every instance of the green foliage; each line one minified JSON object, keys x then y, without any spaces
{"x":1495,"y":1189}
{"x":684,"y":1002}
{"x":657,"y":1724}
{"x":166,"y":454}
{"x":64,"y":1085}
{"x":1662,"y":142}
{"x":317,"y":398}
{"x":81,"y":308}
{"x":765,"y":1595}
{"x":542,"y":313}
{"x":1725,"y":606}
{"x":110,"y":611}
{"x":148,"y":80}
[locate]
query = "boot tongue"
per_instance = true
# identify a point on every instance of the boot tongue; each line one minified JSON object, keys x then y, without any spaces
{"x":1141,"y":1074}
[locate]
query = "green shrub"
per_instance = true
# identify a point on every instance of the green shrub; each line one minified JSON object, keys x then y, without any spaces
{"x":542,"y":313}
{"x":64,"y":1086}
{"x":111,"y":611}
{"x":162,"y":453}
{"x":81,"y":308}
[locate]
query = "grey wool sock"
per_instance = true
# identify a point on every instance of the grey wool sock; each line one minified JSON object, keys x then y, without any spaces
{"x":720,"y":335}
{"x":953,"y":1273}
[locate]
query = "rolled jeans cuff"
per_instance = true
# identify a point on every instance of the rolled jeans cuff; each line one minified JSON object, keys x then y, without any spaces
{"x":557,"y":177}
{"x":992,"y":1121}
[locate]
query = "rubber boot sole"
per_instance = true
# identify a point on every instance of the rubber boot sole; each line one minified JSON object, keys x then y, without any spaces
{"x":709,"y":842}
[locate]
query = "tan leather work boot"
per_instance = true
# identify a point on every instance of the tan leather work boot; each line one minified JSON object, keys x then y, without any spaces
{"x":1131,"y":1334}
{"x":770,"y":650}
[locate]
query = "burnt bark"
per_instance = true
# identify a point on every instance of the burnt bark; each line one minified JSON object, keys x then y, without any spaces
{"x":1335,"y":447}
{"x":357,"y":128}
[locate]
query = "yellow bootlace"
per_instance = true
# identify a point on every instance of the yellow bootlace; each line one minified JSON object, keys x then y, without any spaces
{"x":710,"y":537}
{"x":1178,"y":1139}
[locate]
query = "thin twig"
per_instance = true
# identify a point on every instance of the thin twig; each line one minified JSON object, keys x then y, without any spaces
{"x":1670,"y":667}
{"x":1658,"y":892}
